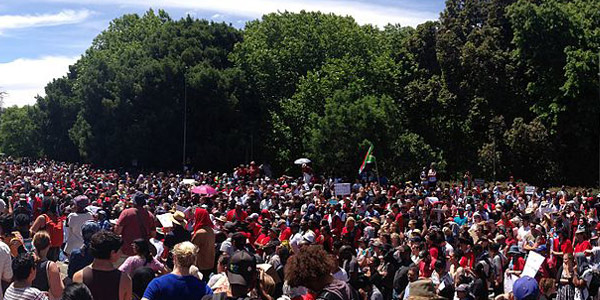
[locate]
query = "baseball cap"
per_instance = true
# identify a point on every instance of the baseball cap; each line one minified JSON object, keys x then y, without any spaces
{"x":242,"y":267}
{"x":526,"y":288}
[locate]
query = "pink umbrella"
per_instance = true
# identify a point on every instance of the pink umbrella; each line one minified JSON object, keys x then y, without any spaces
{"x":204,"y":190}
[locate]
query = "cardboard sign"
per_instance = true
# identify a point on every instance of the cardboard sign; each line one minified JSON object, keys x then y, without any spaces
{"x":529,"y":190}
{"x":533,"y":264}
{"x":479,"y":182}
{"x":165,"y":220}
{"x":342,"y":189}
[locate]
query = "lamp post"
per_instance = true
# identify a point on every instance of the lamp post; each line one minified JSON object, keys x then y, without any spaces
{"x":184,"y":117}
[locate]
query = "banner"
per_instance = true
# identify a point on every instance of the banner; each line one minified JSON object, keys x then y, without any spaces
{"x":342,"y":189}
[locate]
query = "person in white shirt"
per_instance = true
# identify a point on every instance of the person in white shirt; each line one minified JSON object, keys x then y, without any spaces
{"x":6,"y":272}
{"x":74,"y":223}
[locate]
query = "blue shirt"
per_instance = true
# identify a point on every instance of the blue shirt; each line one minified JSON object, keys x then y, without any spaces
{"x":173,"y":286}
{"x":460,"y":221}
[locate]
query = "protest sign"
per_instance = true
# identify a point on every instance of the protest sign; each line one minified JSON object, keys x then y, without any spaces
{"x":342,"y":189}
{"x":479,"y":182}
{"x":533,"y":264}
{"x":165,"y":220}
{"x":529,"y":190}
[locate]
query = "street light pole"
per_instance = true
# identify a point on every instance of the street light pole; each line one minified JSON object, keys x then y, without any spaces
{"x":184,"y":118}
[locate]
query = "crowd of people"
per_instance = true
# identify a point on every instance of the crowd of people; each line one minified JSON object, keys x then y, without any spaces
{"x":71,"y":231}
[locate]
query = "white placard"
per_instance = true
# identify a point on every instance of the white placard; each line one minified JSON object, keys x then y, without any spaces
{"x":529,"y":190}
{"x":533,"y":264}
{"x":189,"y":181}
{"x":165,"y":220}
{"x":342,"y":189}
{"x":509,"y":280}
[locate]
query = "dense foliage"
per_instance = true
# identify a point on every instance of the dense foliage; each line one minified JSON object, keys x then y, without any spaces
{"x":510,"y":83}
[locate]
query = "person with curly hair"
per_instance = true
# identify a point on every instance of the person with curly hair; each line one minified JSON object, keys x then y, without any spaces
{"x":312,"y":268}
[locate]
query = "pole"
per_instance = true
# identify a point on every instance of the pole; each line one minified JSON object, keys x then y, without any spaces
{"x":184,"y":117}
{"x":377,"y":172}
{"x":494,"y":141}
{"x":599,"y":124}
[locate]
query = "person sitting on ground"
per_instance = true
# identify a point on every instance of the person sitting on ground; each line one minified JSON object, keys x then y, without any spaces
{"x":142,"y":258}
{"x":47,"y":277}
{"x":101,"y":277}
{"x":179,"y":284}
{"x":23,"y":267}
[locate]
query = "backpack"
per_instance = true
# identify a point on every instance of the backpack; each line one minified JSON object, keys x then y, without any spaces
{"x":594,"y":284}
{"x":485,"y":261}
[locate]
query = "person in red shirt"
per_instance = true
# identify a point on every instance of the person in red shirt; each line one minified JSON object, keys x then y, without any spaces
{"x":263,"y":238}
{"x":468,"y":260}
{"x":580,"y":244}
{"x":236,"y":214}
{"x":426,"y":265}
{"x":517,"y":262}
{"x":351,"y":233}
{"x":561,"y":245}
{"x":286,"y":233}
{"x":135,"y":223}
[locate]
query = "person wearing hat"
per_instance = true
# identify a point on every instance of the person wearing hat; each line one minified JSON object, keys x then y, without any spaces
{"x":581,"y":244}
{"x":243,"y":275}
{"x":75,"y":221}
{"x":526,"y":288}
{"x":135,"y":223}
{"x":422,"y":289}
{"x":463,"y":293}
{"x":82,"y":257}
{"x":179,"y":284}
{"x":517,"y":263}
{"x":204,"y":239}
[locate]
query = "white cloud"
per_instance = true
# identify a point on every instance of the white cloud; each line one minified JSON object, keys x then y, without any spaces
{"x":363,"y":12}
{"x":23,"y":79}
{"x":40,"y":20}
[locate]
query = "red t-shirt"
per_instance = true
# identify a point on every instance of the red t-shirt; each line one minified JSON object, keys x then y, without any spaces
{"x":132,"y":229}
{"x":425,"y":270}
{"x":286,"y":234}
{"x":581,"y":247}
{"x":433,"y":251}
{"x":263,"y":239}
{"x":400,"y":221}
{"x":519,"y":265}
{"x":565,"y":247}
{"x":467,"y":260}
{"x":232,"y":216}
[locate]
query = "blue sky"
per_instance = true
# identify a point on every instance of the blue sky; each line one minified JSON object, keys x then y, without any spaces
{"x":40,"y":39}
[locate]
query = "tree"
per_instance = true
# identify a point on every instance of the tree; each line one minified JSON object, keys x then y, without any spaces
{"x":18,"y":132}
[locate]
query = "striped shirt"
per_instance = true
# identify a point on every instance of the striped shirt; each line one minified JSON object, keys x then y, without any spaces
{"x":28,"y":293}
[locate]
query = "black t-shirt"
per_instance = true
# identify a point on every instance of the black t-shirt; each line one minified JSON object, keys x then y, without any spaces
{"x":480,"y":290}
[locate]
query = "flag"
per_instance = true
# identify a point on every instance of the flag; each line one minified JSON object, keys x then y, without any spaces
{"x":369,"y":158}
